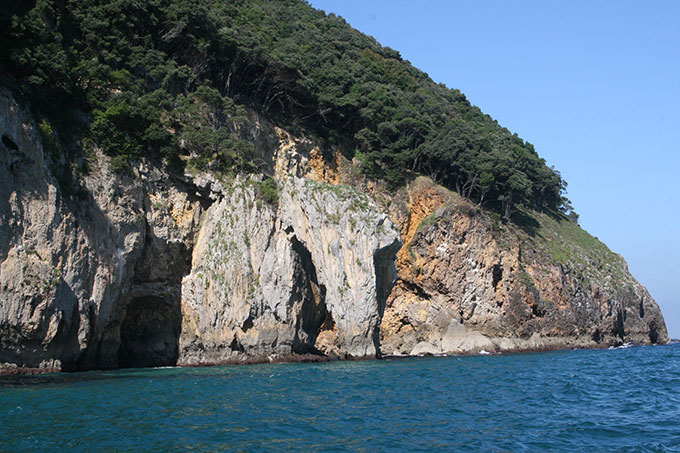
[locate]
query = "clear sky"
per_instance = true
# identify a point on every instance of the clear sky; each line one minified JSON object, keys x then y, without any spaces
{"x":593,"y":84}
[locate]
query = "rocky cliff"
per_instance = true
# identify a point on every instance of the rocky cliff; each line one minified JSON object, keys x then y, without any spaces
{"x":470,"y":283}
{"x":308,"y":276}
{"x":157,"y":268}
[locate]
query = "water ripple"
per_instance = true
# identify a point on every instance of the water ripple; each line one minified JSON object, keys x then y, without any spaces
{"x":607,"y":400}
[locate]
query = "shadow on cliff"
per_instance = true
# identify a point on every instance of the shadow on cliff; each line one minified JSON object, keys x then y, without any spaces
{"x":149,"y":333}
{"x":144,"y":305}
{"x":526,"y":222}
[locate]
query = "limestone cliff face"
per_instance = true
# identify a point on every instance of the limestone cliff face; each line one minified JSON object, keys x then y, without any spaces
{"x":310,"y":275}
{"x":161,"y":269}
{"x":111,"y":278}
{"x":93,"y":280}
{"x":469,"y":284}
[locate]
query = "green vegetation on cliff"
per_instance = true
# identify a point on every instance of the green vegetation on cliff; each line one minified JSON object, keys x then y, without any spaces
{"x":169,"y":79}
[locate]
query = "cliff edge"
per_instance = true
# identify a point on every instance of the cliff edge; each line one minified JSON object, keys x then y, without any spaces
{"x":158,"y":268}
{"x":154,"y":268}
{"x":470,"y":283}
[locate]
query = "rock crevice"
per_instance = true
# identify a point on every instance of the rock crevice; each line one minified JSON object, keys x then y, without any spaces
{"x":301,"y":264}
{"x":467,"y":285}
{"x":160,"y":269}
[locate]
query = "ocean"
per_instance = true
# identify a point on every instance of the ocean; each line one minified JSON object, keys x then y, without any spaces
{"x":625,"y":399}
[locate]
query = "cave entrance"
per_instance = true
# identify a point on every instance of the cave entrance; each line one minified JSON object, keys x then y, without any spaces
{"x":149,"y":335}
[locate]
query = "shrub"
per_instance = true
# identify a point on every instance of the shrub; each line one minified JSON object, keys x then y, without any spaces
{"x":269,"y":191}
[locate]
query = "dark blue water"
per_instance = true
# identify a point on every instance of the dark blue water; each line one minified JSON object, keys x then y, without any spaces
{"x":603,"y":400}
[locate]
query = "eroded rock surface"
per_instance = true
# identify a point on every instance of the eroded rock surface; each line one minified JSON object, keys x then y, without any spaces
{"x":92,"y":280}
{"x":159,"y":269}
{"x":109,"y":276}
{"x":310,"y":275}
{"x":468,"y":284}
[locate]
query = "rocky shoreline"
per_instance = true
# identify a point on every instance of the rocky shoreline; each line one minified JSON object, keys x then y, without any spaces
{"x":159,"y":269}
{"x":312,"y":358}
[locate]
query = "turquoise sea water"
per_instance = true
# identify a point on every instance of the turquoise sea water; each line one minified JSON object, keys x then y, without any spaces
{"x":601,"y":400}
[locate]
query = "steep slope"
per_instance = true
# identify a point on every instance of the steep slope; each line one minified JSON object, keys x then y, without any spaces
{"x":162,"y":269}
{"x":469,"y":283}
{"x":167,"y":79}
{"x":211,"y":182}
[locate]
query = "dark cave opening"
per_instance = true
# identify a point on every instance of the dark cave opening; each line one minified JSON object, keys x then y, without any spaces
{"x":312,"y":296}
{"x":653,"y":334}
{"x":149,"y":334}
{"x":496,"y":275}
{"x":9,"y":143}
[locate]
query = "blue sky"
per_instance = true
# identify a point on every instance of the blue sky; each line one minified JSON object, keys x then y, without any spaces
{"x":594,"y":85}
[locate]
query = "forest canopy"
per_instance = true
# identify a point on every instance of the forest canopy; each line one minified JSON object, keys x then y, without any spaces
{"x":150,"y":76}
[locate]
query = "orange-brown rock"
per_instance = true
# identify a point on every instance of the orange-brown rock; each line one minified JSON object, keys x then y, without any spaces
{"x":164,"y":268}
{"x":469,"y":283}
